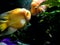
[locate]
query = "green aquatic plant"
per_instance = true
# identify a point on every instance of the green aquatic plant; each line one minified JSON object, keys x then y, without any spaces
{"x":52,"y":3}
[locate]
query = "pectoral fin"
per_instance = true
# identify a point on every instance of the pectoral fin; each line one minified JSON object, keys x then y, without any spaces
{"x":9,"y":31}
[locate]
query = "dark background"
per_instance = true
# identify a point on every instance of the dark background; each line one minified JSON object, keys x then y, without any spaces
{"x":6,"y":5}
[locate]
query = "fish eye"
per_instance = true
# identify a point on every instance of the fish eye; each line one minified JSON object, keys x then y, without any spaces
{"x":27,"y":13}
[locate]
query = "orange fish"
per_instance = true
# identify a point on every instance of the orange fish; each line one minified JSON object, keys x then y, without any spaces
{"x":36,"y":8}
{"x":14,"y":19}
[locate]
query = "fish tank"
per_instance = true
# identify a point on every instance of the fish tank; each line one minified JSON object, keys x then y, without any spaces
{"x":29,"y":22}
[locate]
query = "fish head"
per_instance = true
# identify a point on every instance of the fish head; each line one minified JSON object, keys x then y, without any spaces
{"x":26,"y":13}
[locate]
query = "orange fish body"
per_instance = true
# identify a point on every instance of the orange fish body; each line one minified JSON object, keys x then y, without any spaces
{"x":15,"y":19}
{"x":17,"y":16}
